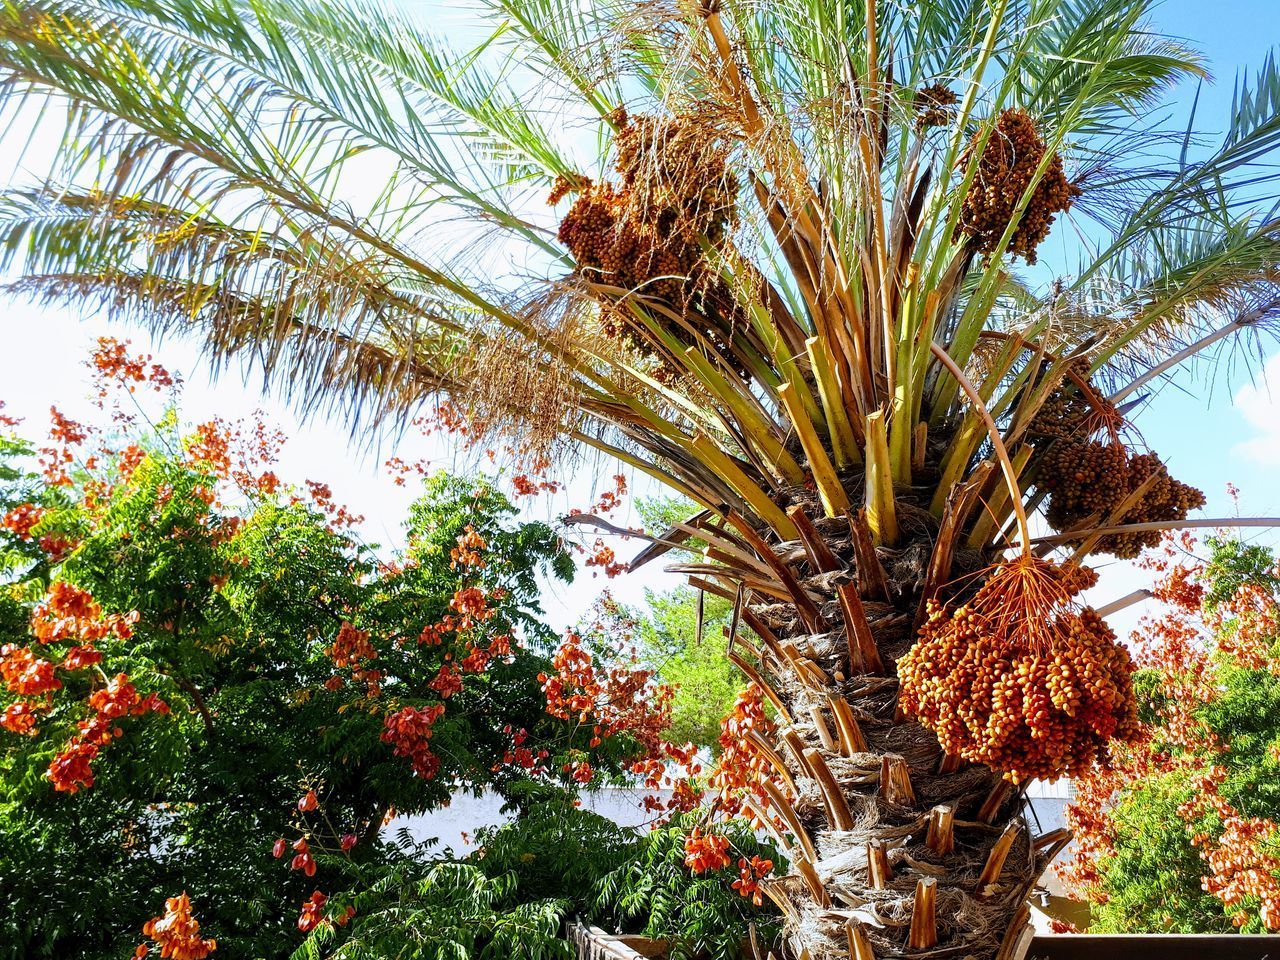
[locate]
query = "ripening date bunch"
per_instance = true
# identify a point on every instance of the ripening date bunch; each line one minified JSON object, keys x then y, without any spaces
{"x":646,"y":234}
{"x":1090,"y":480}
{"x":1025,"y":712}
{"x":1006,"y":167}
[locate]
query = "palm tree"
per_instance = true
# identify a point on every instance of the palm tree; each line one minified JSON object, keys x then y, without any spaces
{"x":779,"y":275}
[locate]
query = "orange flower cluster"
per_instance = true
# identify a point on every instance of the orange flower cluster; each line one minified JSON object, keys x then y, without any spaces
{"x":468,"y":552}
{"x":655,"y":772}
{"x":409,"y":731}
{"x":339,"y":516}
{"x":22,"y":519}
{"x":313,"y":913}
{"x":447,"y":681}
{"x":19,"y":718}
{"x":1009,"y":160}
{"x":750,"y":873}
{"x":610,"y":500}
{"x":302,"y":859}
{"x":472,"y":606}
{"x":112,"y":362}
{"x":68,"y":612}
{"x":520,"y":755}
{"x":740,"y":768}
{"x":472,"y":603}
{"x":1246,"y":626}
{"x":1026,"y":710}
{"x":604,"y":557}
{"x":177,"y":933}
{"x":524,"y":485}
{"x":1241,"y":859}
{"x":351,"y":649}
{"x":619,"y":699}
{"x":704,"y":853}
{"x":1242,"y":868}
{"x":623,"y":700}
{"x":71,"y":770}
{"x":65,"y":436}
{"x":26,"y":674}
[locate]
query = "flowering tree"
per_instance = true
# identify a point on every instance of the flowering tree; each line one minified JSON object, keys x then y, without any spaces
{"x":1183,"y":833}
{"x":213,"y":695}
{"x":778,"y":275}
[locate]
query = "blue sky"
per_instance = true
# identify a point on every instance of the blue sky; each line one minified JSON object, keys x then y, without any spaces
{"x":1209,"y":436}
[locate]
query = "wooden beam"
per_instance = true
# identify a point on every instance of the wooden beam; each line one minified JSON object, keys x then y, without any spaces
{"x":1017,"y":937}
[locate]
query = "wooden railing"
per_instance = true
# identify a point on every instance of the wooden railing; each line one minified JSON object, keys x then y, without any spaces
{"x":592,"y":943}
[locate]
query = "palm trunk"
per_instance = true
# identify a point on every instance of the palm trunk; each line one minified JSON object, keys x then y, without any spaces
{"x":904,"y":852}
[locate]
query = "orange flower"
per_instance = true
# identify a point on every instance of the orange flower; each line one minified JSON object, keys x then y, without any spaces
{"x":312,"y":912}
{"x":177,"y":933}
{"x":704,"y":853}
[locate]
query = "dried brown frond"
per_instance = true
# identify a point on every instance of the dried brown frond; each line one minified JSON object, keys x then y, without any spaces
{"x":512,"y":387}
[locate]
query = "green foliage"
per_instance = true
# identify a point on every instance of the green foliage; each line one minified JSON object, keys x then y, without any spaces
{"x":1150,"y":873}
{"x":666,"y":634}
{"x":239,"y":598}
{"x":554,"y":861}
{"x":555,"y":849}
{"x":1234,"y":563}
{"x":1152,"y":876}
{"x":443,"y":910}
{"x":705,"y":682}
{"x":654,"y":894}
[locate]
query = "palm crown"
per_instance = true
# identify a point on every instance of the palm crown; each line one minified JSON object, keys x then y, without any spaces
{"x":779,"y":272}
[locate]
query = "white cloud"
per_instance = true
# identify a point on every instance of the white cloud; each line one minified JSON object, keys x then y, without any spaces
{"x":1259,"y":404}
